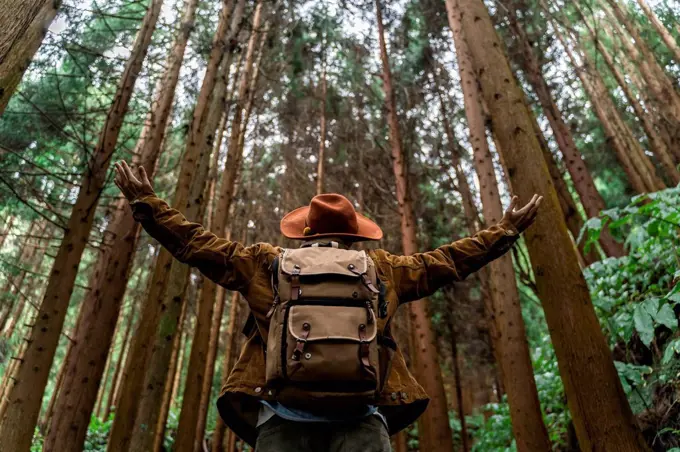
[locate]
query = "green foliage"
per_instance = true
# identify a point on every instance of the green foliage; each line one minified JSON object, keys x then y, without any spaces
{"x":97,"y":434}
{"x":637,"y":294}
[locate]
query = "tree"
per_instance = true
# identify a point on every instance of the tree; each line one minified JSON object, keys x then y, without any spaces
{"x":667,"y":99}
{"x":434,"y":429}
{"x":17,"y":423}
{"x":101,"y":306}
{"x":661,"y":29}
{"x":24,"y":24}
{"x":583,"y":182}
{"x":186,"y":432}
{"x":656,"y":142}
{"x":140,"y":350}
{"x":218,"y":439}
{"x":512,"y":350}
{"x":640,"y":170}
{"x":601,"y":414}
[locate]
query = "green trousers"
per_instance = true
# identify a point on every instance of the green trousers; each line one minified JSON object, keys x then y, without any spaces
{"x":280,"y":435}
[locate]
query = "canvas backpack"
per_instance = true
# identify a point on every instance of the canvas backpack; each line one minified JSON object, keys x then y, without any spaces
{"x":323,"y":334}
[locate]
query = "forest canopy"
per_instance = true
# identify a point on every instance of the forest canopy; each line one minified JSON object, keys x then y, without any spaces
{"x":428,"y":116}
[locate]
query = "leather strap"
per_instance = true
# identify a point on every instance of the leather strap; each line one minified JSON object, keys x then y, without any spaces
{"x":301,"y":342}
{"x":295,"y":285}
{"x":364,"y":351}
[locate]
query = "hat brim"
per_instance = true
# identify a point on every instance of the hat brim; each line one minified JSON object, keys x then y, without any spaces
{"x":293,"y":226}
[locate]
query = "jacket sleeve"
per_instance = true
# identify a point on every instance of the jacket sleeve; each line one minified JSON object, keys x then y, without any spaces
{"x":421,"y":274}
{"x":227,"y":263}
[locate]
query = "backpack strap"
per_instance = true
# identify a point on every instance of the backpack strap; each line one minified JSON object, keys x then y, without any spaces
{"x":250,"y":325}
{"x":382,"y":301}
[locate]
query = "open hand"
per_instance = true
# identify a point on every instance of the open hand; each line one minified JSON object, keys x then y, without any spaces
{"x":132,"y":186}
{"x":522,"y":218}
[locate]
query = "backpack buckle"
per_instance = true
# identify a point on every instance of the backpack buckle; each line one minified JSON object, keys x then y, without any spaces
{"x":295,"y":284}
{"x":364,"y":278}
{"x":301,"y":342}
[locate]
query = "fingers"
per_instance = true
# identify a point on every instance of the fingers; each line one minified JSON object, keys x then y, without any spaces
{"x":143,"y":177}
{"x":524,"y":210}
{"x":513,"y":204}
{"x":534,"y":208}
{"x":530,"y":216}
{"x":129,"y":173}
{"x":120,"y":178}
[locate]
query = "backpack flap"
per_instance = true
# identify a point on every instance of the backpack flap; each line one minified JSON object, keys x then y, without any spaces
{"x":326,"y":342}
{"x":317,"y":272}
{"x":313,"y":261}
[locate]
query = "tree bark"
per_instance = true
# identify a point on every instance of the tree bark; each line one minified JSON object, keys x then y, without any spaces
{"x":206,"y":390}
{"x":186,"y":432}
{"x":656,"y":143}
{"x":512,"y":349}
{"x":597,"y":402}
{"x":108,"y":282}
{"x":662,"y":30}
{"x":459,"y":386}
{"x":434,"y":429}
{"x":590,"y":198}
{"x":119,"y":364}
{"x":172,"y":381}
{"x":31,"y":257}
{"x":232,"y":331}
{"x":17,"y":423}
{"x":658,"y":83}
{"x":634,"y":162}
{"x":24,"y":24}
{"x":140,"y":350}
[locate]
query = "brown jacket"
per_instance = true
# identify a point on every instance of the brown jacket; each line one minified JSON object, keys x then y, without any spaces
{"x":247,"y":269}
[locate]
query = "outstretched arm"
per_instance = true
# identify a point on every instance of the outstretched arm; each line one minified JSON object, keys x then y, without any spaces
{"x":228,"y":263}
{"x":421,"y":274}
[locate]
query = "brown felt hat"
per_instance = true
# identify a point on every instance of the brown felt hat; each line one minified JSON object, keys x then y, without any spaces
{"x":329,"y":215}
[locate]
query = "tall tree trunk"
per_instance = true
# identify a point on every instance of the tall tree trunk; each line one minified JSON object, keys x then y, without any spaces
{"x":510,"y":341}
{"x":119,"y":364}
{"x":206,"y":390}
{"x":660,"y":86}
{"x":172,"y":381}
{"x":19,"y":286}
{"x":17,"y":423}
{"x":472,"y":221}
{"x":186,"y":432}
{"x":109,"y":279}
{"x":107,"y":371}
{"x":590,"y":198}
{"x":619,"y":136}
{"x":434,"y":428}
{"x":457,"y":377}
{"x":662,"y":30}
{"x":597,"y":402}
{"x":572,"y":217}
{"x":24,"y":24}
{"x":140,"y":350}
{"x":229,"y":352}
{"x":179,"y":367}
{"x":322,"y":133}
{"x":656,"y":143}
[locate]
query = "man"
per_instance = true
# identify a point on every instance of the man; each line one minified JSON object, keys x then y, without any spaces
{"x":251,"y":408}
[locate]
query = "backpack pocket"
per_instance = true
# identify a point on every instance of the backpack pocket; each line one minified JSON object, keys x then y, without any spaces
{"x":331,"y":346}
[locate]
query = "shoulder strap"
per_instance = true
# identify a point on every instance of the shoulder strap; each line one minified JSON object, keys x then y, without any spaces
{"x":251,"y":323}
{"x":250,"y":326}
